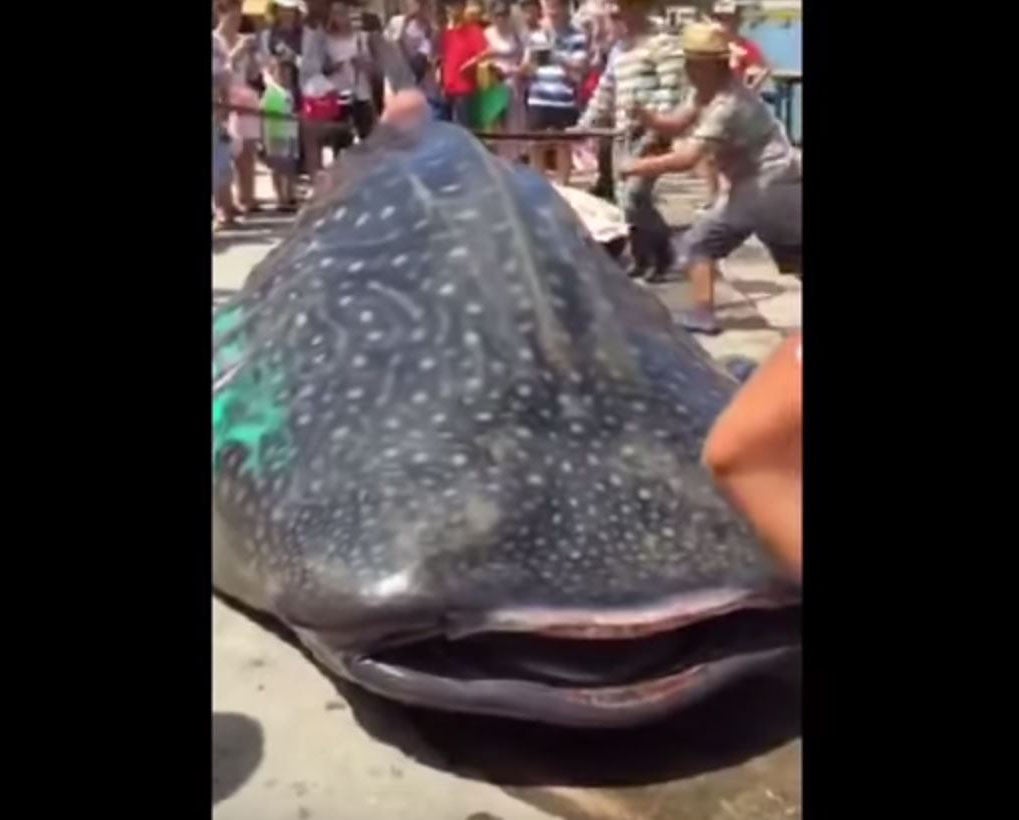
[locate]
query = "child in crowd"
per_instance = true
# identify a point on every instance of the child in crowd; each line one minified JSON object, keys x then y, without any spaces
{"x":280,"y":136}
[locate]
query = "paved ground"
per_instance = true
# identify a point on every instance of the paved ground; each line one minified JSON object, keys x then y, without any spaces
{"x":291,"y":743}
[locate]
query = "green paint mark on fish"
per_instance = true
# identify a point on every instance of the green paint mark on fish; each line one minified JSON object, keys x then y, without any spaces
{"x":245,"y":411}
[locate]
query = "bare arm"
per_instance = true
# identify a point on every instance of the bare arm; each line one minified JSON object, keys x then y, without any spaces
{"x":667,"y":125}
{"x":687,"y":156}
{"x":312,"y":55}
{"x":477,"y":58}
{"x":600,"y":107}
{"x":246,"y":46}
{"x":755,"y":453}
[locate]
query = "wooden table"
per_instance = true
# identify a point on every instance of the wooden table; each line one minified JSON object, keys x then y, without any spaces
{"x":786,"y":81}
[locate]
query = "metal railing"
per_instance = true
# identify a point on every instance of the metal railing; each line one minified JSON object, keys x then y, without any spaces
{"x":550,"y":137}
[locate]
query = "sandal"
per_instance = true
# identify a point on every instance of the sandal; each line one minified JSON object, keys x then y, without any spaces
{"x":699,"y":320}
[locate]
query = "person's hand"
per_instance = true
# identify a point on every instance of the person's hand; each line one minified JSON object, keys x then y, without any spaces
{"x":755,"y":453}
{"x":644,"y":116}
{"x":626,"y":170}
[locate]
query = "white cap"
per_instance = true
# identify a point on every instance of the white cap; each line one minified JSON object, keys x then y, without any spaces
{"x":724,"y":7}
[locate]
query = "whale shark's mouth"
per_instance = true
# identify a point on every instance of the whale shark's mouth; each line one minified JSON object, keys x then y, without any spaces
{"x":614,"y":675}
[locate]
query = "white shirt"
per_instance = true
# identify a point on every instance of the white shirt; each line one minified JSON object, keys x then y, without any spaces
{"x":507,"y":52}
{"x":415,"y":36}
{"x":347,"y":79}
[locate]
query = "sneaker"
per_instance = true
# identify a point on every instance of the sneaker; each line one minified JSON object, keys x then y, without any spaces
{"x":699,"y":320}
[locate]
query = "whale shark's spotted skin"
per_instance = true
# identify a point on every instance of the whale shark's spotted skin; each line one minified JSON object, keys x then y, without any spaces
{"x":450,"y":402}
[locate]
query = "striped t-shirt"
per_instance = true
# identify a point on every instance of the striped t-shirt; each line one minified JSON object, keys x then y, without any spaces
{"x":551,"y":86}
{"x":648,"y":72}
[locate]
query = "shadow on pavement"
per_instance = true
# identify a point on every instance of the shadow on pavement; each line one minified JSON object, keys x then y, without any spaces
{"x":758,"y":287}
{"x":265,"y":229}
{"x":749,"y":322}
{"x":237,"y":746}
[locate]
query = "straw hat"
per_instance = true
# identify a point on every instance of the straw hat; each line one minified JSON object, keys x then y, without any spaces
{"x":704,"y":41}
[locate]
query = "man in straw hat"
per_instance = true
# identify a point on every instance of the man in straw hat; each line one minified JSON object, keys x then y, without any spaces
{"x":729,"y":122}
{"x":646,"y":69}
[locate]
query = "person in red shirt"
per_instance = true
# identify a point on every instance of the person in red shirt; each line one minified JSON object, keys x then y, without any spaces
{"x":747,"y":60}
{"x":463,"y":47}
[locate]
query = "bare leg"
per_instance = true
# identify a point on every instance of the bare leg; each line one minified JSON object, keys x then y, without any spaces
{"x":702,"y":283}
{"x":225,"y":209}
{"x":537,"y":155}
{"x":563,"y":162}
{"x":503,"y":148}
{"x":244,"y":166}
{"x":312,"y":151}
{"x":279,"y":186}
{"x":700,"y":317}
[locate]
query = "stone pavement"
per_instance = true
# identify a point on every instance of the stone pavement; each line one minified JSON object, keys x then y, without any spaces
{"x":288,"y":742}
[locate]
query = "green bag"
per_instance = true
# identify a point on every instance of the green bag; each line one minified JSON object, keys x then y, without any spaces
{"x":276,"y":100}
{"x":488,"y":105}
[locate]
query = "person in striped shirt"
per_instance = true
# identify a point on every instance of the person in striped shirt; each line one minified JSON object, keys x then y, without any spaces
{"x":645,"y":70}
{"x":556,"y":60}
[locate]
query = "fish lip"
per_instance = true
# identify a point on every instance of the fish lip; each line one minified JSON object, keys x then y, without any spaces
{"x":614,"y":624}
{"x":611,"y":707}
{"x":574,"y":705}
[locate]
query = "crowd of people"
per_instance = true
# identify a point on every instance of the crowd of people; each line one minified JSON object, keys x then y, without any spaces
{"x":529,"y":66}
